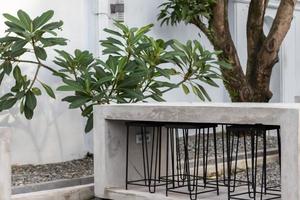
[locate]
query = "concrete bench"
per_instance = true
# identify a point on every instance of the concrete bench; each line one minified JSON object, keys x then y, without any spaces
{"x":110,"y":138}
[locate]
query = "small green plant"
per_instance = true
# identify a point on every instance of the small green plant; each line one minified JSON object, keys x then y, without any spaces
{"x":26,"y":38}
{"x":137,"y":68}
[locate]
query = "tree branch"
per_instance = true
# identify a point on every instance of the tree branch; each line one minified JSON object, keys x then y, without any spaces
{"x":234,"y":79}
{"x":268,"y":55}
{"x":255,"y":35}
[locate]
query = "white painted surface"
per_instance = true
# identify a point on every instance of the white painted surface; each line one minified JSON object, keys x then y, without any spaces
{"x":56,"y":133}
{"x":110,"y":135}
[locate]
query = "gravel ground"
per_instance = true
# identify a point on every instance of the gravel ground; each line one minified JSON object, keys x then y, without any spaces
{"x":30,"y":174}
{"x":271,"y":144}
{"x":273,"y":174}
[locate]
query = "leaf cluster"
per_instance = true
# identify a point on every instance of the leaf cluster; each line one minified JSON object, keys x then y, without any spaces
{"x":26,"y":37}
{"x":137,"y":68}
{"x":175,"y":11}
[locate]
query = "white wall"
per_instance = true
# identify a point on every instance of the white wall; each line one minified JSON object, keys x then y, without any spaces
{"x":56,"y":133}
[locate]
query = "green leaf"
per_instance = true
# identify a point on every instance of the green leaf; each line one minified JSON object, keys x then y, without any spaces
{"x":87,"y":111}
{"x":89,"y":124}
{"x":18,"y":52}
{"x":80,"y":101}
{"x":73,"y":85}
{"x":185,"y":89}
{"x":204,"y":92}
{"x":22,"y":106}
{"x":19,"y":44}
{"x":2,"y":74}
{"x":112,"y":32}
{"x":9,"y":39}
{"x":114,"y":41}
{"x":197,"y":92}
{"x":52,"y":41}
{"x":28,"y":112}
{"x":132,"y":94}
{"x":43,"y":19}
{"x":48,"y":89}
{"x":163,"y":72}
{"x":224,"y":64}
{"x":121,"y":26}
{"x":36,"y":91}
{"x":40,"y":53}
{"x":157,"y":98}
{"x":8,"y":103}
{"x":17,"y":74}
{"x":66,"y":88}
{"x":25,"y":19}
{"x":30,"y":101}
{"x":103,"y":80}
{"x":14,"y":20}
{"x":52,"y":26}
{"x":7,"y":66}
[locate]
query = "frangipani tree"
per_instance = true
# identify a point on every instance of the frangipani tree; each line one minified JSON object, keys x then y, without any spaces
{"x":211,"y":17}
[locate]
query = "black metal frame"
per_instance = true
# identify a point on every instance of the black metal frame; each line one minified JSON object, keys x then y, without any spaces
{"x":183,"y":179}
{"x":152,"y":160}
{"x":184,"y":175}
{"x":234,"y":133}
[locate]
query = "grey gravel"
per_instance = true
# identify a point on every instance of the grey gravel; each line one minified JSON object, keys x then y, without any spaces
{"x":31,"y":174}
{"x":271,"y":144}
{"x":273,"y":174}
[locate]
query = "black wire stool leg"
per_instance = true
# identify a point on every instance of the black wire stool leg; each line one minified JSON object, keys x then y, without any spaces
{"x":216,"y":159}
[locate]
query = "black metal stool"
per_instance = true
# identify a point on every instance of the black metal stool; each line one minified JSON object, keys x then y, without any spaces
{"x":185,"y":177}
{"x":235,"y":133}
{"x":266,"y":129}
{"x":151,"y":155}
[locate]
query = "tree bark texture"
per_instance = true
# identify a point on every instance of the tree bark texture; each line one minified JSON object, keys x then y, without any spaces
{"x":254,"y":84}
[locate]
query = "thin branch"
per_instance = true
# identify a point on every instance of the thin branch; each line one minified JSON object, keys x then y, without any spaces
{"x":33,"y":62}
{"x":198,"y":23}
{"x":38,"y":67}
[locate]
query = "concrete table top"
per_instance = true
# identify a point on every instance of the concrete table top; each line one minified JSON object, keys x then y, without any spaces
{"x":110,"y":135}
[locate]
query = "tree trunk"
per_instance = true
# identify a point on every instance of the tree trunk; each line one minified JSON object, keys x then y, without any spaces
{"x":254,"y":85}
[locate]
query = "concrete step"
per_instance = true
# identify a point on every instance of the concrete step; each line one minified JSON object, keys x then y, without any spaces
{"x":82,"y":192}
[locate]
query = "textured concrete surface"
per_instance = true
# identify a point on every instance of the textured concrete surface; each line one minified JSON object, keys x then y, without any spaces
{"x":110,"y":140}
{"x":52,"y":185}
{"x":5,"y":163}
{"x":84,"y":192}
{"x":138,"y":194}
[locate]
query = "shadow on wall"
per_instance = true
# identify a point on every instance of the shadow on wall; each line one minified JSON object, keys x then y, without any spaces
{"x":55,"y":134}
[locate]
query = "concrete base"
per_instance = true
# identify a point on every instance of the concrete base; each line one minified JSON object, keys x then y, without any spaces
{"x":52,"y":185}
{"x":138,"y":194}
{"x":110,"y":136}
{"x":83,"y":192}
{"x":5,"y":164}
